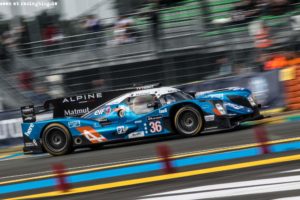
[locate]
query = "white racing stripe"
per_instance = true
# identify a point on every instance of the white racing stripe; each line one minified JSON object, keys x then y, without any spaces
{"x":289,"y":171}
{"x":240,"y":188}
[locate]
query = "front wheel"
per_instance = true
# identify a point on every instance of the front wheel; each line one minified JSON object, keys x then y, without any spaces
{"x":57,"y":140}
{"x":188,"y":121}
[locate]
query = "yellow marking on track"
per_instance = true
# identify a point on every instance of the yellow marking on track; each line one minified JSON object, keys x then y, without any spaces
{"x":280,"y":121}
{"x":161,"y":177}
{"x":12,"y":158}
{"x":204,"y":152}
{"x":272,"y":111}
{"x":4,"y":155}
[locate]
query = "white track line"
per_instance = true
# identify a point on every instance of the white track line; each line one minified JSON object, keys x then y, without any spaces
{"x":240,"y":188}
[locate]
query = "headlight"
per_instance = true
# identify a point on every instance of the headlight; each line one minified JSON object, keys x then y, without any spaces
{"x":251,"y":100}
{"x":220,"y":108}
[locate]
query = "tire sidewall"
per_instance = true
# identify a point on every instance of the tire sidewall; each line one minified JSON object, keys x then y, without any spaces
{"x":199,"y":115}
{"x":68,"y":143}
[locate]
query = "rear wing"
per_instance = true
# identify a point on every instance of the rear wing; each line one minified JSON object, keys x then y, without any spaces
{"x":29,"y":112}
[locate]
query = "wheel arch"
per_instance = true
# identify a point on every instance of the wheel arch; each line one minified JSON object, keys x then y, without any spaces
{"x":176,"y":107}
{"x":48,"y":124}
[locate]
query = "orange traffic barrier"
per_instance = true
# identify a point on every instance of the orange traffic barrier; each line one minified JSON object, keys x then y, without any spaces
{"x":291,"y":83}
{"x":293,"y":100}
{"x":294,"y":106}
{"x":293,"y":94}
{"x":293,"y":88}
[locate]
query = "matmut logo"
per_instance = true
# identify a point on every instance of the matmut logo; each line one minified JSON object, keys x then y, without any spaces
{"x":91,"y":134}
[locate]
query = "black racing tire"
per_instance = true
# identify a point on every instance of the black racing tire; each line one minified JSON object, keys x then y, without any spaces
{"x":188,"y":121}
{"x":57,"y":140}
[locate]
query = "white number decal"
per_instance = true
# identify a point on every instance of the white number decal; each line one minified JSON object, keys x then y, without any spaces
{"x":155,"y":127}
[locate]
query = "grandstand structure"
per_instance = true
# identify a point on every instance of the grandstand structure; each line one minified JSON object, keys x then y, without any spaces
{"x":194,"y":39}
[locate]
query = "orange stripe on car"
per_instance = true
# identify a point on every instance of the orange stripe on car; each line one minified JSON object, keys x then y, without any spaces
{"x":217,"y":112}
{"x":91,"y":134}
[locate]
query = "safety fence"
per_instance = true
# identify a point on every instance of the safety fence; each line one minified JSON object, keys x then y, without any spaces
{"x":194,"y":41}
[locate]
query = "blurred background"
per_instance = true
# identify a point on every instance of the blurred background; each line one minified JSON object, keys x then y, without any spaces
{"x":74,"y":47}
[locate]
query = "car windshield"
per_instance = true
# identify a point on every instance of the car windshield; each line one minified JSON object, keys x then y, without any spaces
{"x":174,"y":97}
{"x":140,"y":104}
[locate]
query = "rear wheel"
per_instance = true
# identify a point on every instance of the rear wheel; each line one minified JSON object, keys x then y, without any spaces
{"x":188,"y":121}
{"x":57,"y":140}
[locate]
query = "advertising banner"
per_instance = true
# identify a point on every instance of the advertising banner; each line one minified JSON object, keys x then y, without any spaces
{"x":77,"y":106}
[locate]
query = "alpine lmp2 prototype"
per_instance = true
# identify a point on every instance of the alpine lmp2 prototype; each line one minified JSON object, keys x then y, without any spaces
{"x":142,"y":113}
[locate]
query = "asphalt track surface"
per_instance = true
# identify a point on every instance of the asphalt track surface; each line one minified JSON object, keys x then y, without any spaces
{"x":31,"y":166}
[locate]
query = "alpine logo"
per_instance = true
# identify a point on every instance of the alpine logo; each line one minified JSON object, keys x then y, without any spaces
{"x":82,"y":98}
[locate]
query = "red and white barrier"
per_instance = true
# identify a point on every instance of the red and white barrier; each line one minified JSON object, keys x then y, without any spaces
{"x":61,"y":178}
{"x":262,"y":139}
{"x":164,"y":153}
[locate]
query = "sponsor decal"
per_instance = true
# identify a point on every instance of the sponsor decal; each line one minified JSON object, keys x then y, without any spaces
{"x":122,"y":129}
{"x":154,"y":117}
{"x":102,"y":120}
{"x":34,"y":142}
{"x":138,"y":122}
{"x":27,"y":110}
{"x":107,"y":110}
{"x":209,"y":128}
{"x":29,"y":130}
{"x":220,"y":96}
{"x":99,"y":112}
{"x":137,"y":134}
{"x":28,"y":119}
{"x":209,"y":118}
{"x":82,"y":98}
{"x":74,"y":112}
{"x":28,"y":114}
{"x":237,"y":107}
{"x":235,"y":88}
{"x":29,"y":144}
{"x":155,"y":127}
{"x":91,"y":134}
{"x":96,"y":125}
{"x":162,"y":111}
{"x":74,"y":124}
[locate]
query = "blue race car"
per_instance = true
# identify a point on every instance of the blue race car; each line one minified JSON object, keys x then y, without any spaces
{"x":142,"y":113}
